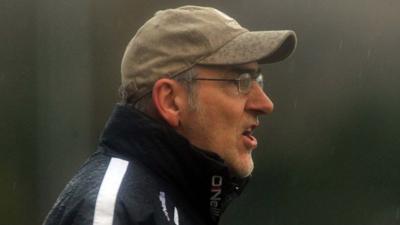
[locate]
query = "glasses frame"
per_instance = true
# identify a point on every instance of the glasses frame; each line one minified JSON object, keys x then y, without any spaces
{"x":244,"y":82}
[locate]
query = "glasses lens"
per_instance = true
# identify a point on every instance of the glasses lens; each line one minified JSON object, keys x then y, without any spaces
{"x":260,"y":80}
{"x":245,"y":82}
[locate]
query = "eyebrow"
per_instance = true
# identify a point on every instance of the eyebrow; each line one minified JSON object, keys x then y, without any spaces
{"x":239,"y":70}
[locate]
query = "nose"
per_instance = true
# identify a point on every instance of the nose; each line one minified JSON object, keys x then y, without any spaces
{"x":259,"y":102}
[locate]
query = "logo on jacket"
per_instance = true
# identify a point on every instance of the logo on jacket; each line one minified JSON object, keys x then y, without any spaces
{"x":163,"y":204}
{"x":163,"y":201}
{"x":216,"y":191}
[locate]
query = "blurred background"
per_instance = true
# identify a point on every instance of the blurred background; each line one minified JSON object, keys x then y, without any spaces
{"x":328,"y":155}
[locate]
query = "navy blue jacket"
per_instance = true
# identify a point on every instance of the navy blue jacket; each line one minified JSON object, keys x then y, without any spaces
{"x":145,"y":173}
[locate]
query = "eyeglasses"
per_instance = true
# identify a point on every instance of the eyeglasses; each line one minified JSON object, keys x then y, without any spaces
{"x":243,"y":82}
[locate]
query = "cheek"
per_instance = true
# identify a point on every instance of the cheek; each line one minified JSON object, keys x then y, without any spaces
{"x":223,"y":117}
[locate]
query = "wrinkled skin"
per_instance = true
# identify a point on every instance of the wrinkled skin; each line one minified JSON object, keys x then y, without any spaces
{"x":222,"y":116}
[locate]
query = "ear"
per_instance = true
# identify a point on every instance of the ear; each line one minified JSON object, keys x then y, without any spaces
{"x":166,"y":99}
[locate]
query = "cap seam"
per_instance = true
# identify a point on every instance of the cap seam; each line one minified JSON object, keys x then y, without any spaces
{"x":203,"y":57}
{"x":216,"y":50}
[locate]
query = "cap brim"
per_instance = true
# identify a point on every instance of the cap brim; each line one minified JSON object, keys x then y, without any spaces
{"x":257,"y":46}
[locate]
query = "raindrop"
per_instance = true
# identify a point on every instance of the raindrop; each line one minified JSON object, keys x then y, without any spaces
{"x":295,"y":103}
{"x":340,"y":44}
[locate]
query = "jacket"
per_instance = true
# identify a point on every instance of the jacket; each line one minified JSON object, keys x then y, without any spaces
{"x":145,"y":173}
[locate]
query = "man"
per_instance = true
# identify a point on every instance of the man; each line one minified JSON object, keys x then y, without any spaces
{"x":177,"y":149}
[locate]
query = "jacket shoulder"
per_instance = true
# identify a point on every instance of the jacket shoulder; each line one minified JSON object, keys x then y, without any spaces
{"x":109,"y":189}
{"x":76,"y":202}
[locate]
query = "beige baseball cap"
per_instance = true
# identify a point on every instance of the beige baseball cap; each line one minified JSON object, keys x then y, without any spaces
{"x":174,"y":40}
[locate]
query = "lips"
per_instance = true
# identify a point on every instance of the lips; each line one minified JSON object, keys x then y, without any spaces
{"x":249,"y":140}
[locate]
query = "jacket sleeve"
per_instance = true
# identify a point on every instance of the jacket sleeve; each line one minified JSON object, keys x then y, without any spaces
{"x":132,"y":214}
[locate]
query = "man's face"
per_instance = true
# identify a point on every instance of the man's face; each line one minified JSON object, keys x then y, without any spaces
{"x":224,"y":119}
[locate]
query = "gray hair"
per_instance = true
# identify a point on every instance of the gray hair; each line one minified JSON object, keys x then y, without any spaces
{"x":185,"y":78}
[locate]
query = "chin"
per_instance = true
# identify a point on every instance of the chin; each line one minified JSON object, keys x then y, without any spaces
{"x":245,"y":169}
{"x":240,"y":165}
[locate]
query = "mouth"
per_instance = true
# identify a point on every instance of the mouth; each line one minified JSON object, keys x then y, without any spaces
{"x":249,"y":140}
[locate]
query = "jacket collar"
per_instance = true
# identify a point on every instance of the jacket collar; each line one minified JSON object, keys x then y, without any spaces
{"x":201,"y":175}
